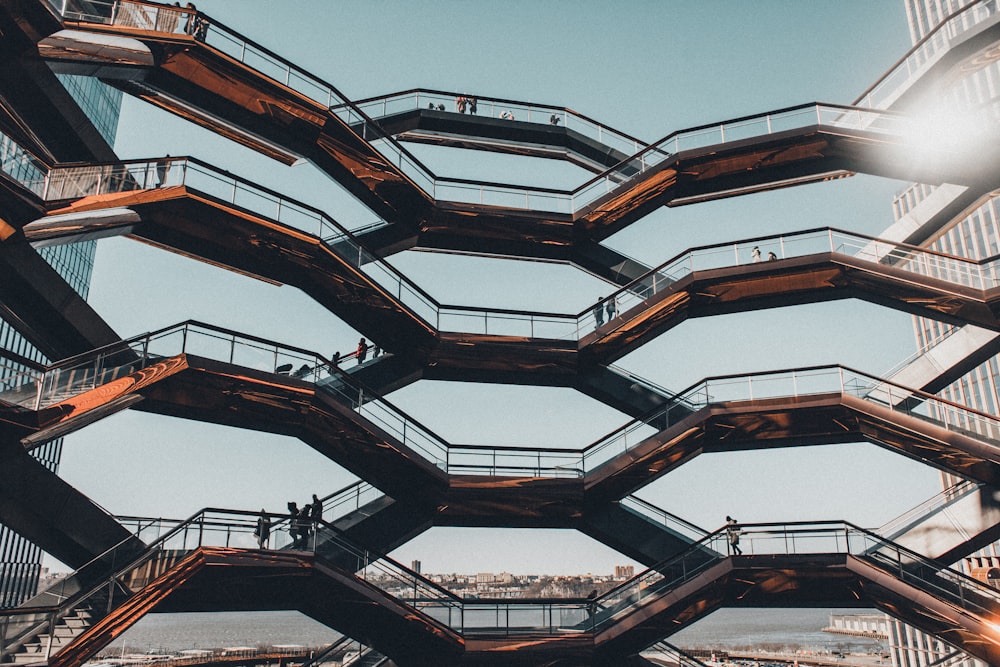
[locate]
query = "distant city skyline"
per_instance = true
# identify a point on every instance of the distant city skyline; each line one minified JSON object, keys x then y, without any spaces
{"x":658,"y":68}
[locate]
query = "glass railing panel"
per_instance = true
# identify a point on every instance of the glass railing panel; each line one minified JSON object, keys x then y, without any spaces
{"x":670,"y":654}
{"x":21,"y":387}
{"x":263,"y":62}
{"x":405,"y":430}
{"x":349,"y":499}
{"x":913,"y":568}
{"x":927,"y":508}
{"x":73,"y":183}
{"x":524,"y":618}
{"x":515,"y":197}
{"x":954,"y":417}
{"x":491,"y":108}
{"x":619,"y":442}
{"x":509,"y":463}
{"x":507,"y":323}
{"x":956,"y":270}
{"x":21,"y":165}
{"x":148,"y":529}
{"x":664,"y":518}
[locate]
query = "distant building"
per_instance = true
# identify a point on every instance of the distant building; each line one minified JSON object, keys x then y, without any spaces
{"x":874,"y":626}
{"x":415,"y":566}
{"x":624,"y":571}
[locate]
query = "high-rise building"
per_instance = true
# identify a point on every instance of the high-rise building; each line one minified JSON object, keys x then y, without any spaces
{"x":975,"y":234}
{"x":20,"y":560}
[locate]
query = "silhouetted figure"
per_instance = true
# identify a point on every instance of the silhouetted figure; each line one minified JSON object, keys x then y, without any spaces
{"x":733,"y":532}
{"x":460,"y":103}
{"x":192,"y":18}
{"x":592,"y":602}
{"x":430,"y":105}
{"x":336,"y":358}
{"x":263,"y":529}
{"x":554,"y":119}
{"x":440,"y":107}
{"x":755,"y":254}
{"x":473,"y":105}
{"x":362,"y":352}
{"x":771,"y":257}
{"x":293,"y":522}
{"x":162,"y":169}
{"x":598,"y":314}
{"x":506,"y":115}
{"x":303,"y":523}
{"x":376,"y":350}
{"x":201,"y":28}
{"x":316,"y":512}
{"x":611,"y":309}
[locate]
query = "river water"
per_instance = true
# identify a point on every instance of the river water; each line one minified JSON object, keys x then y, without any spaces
{"x":726,"y":628}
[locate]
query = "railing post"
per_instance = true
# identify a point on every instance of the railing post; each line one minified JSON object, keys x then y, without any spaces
{"x":45,"y":187}
{"x":39,"y":384}
{"x":52,"y":633}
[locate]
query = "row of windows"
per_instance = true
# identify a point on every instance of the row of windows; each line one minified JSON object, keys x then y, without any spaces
{"x":912,"y":648}
{"x":99,"y":101}
{"x":925,"y":15}
{"x":976,"y":236}
{"x":907,"y":200}
{"x":74,"y":262}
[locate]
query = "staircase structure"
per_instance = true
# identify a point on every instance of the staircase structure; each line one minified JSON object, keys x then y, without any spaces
{"x":413,"y":478}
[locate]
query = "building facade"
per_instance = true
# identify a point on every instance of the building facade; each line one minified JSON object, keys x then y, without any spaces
{"x":20,"y":560}
{"x":974,"y":235}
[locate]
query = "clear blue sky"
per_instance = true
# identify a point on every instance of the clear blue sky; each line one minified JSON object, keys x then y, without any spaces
{"x":647,"y":68}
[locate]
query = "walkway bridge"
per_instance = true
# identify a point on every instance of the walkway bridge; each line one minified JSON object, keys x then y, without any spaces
{"x":287,"y":113}
{"x":206,"y":564}
{"x":198,"y":372}
{"x":197,"y":210}
{"x":277,"y":109}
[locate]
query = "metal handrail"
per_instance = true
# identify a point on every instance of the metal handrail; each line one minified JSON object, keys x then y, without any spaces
{"x":576,"y":463}
{"x":572,"y":201}
{"x":981,"y":274}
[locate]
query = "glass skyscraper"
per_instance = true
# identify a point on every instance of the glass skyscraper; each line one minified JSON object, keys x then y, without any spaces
{"x":20,"y":560}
